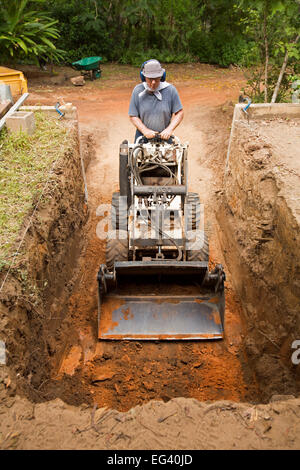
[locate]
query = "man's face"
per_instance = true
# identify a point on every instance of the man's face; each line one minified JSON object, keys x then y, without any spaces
{"x":153,"y":82}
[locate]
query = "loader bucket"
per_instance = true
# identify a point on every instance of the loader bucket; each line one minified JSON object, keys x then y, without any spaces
{"x":161,"y":300}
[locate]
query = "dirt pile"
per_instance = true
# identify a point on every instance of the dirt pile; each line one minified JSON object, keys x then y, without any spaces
{"x":259,"y":215}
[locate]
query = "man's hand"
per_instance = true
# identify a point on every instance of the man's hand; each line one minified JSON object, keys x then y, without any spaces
{"x":149,"y":134}
{"x":166,"y":134}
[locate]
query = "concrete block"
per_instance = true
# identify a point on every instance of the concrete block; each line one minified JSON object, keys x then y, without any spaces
{"x":21,"y":121}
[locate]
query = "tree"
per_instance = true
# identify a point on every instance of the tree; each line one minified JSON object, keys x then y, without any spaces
{"x":285,"y":61}
{"x":275,"y":25}
{"x":26,"y":31}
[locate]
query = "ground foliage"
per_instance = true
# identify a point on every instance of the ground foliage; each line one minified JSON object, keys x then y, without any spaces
{"x":27,"y":30}
{"x":131,"y":31}
{"x":274,"y":25}
{"x":222,"y":32}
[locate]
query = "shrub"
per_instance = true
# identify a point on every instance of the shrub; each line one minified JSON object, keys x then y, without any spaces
{"x":221,"y":49}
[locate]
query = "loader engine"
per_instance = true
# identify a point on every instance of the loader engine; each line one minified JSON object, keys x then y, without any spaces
{"x":156,"y":217}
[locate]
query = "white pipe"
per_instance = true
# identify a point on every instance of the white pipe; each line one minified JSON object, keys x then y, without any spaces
{"x":230,"y":140}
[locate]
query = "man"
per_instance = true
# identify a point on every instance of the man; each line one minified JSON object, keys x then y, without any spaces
{"x":155,"y":106}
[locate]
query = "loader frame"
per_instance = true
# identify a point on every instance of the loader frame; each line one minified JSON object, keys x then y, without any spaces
{"x":169,"y":255}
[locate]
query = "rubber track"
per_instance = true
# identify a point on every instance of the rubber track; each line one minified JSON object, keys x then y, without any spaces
{"x":199,"y":255}
{"x":193,"y":218}
{"x":116,"y":249}
{"x":119,"y":222}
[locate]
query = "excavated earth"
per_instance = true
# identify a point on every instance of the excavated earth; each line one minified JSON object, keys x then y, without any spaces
{"x":237,"y":393}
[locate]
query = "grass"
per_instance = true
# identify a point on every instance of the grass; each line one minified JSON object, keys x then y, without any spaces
{"x":25,"y":165}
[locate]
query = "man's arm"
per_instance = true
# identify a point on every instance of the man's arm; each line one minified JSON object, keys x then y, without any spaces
{"x":134,"y":113}
{"x":148,"y":133}
{"x":175,"y":121}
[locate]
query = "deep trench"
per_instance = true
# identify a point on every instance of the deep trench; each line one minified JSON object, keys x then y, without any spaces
{"x":121,"y":374}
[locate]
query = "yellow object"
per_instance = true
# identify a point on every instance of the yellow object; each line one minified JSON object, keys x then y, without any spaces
{"x":15,"y":79}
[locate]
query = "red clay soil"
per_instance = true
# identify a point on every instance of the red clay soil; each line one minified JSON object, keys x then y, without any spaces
{"x":123,"y":374}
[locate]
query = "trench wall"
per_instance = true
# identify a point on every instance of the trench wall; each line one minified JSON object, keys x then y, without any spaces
{"x":31,"y":308}
{"x":260,"y":237}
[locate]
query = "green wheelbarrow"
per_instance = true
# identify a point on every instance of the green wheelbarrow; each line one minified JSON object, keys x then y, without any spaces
{"x":89,"y":67}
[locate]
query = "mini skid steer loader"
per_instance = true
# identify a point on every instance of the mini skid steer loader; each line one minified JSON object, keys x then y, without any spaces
{"x":156,"y":282}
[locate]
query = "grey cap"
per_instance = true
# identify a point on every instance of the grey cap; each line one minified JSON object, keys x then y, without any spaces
{"x":153,"y":69}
